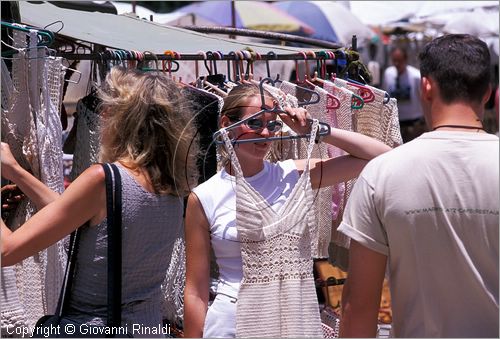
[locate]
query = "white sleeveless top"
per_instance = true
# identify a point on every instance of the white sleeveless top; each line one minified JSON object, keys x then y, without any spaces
{"x":277,"y":291}
{"x":218,"y":199}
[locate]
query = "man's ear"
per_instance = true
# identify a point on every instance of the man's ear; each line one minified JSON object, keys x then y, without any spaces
{"x":426,"y":88}
{"x":487,"y":95}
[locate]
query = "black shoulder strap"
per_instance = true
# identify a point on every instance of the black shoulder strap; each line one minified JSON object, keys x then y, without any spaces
{"x":64,"y":296}
{"x":114,"y":215}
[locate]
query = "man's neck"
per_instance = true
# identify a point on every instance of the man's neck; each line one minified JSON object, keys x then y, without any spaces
{"x":403,"y":71}
{"x":457,"y":116}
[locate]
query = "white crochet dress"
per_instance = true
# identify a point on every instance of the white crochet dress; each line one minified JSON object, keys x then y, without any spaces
{"x":277,"y":296}
{"x":30,"y":125}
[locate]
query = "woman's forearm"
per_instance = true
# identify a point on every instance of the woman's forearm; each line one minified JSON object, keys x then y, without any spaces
{"x":356,"y":144}
{"x":34,"y":189}
{"x":195,"y":310}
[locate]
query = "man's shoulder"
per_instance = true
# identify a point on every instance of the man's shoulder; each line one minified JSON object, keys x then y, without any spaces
{"x":390,"y":70}
{"x":401,"y":156}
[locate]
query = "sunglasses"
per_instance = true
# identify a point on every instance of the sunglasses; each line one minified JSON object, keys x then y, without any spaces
{"x":257,"y":124}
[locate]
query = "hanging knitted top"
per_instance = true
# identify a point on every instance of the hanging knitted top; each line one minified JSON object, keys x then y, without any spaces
{"x":322,"y":196}
{"x":18,"y":130}
{"x":344,"y":120}
{"x":277,"y":296}
{"x":375,"y":118}
{"x":87,"y":144}
{"x":31,"y":100}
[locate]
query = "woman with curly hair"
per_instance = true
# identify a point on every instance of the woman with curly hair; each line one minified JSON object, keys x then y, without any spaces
{"x":146,"y":133}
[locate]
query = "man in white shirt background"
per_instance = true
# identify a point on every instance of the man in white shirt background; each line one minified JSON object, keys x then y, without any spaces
{"x":402,"y":81}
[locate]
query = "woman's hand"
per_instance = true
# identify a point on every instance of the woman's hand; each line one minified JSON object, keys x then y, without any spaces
{"x":11,"y":197}
{"x":31,"y":186}
{"x":9,"y":163}
{"x":296,"y":119}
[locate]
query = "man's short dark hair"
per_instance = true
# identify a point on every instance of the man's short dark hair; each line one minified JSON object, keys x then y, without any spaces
{"x":460,"y":64}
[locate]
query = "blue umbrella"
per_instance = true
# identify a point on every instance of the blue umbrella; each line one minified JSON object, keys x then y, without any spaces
{"x":248,"y":14}
{"x":331,"y":21}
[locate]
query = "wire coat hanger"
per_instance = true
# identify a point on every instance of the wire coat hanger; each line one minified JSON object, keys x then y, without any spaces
{"x":324,"y":128}
{"x":46,"y":37}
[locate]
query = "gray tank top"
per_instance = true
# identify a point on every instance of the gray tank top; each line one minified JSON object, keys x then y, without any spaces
{"x":150,"y":225}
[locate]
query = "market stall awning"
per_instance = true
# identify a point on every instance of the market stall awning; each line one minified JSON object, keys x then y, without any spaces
{"x":129,"y":33}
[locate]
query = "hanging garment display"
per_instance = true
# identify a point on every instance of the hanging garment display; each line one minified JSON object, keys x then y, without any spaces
{"x":86,"y":152}
{"x":277,"y":291}
{"x":206,"y":107}
{"x":322,"y":196}
{"x":31,"y":127}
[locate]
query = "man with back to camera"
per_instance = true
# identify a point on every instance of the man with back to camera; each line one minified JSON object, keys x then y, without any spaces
{"x":438,"y":228}
{"x":401,"y":81}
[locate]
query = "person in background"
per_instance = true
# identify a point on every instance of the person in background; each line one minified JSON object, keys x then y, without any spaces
{"x":145,"y":132}
{"x":211,"y":208}
{"x":437,"y":228}
{"x":401,"y":81}
{"x":373,"y":65}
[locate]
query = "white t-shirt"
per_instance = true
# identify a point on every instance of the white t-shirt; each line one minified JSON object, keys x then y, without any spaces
{"x":218,"y":199}
{"x":431,"y":206}
{"x":408,"y":92}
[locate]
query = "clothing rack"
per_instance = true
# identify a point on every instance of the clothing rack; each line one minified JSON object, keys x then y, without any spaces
{"x":117,"y":54}
{"x":342,"y":58}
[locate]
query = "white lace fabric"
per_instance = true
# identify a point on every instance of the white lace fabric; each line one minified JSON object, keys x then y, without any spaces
{"x":87,"y":144}
{"x":30,"y":125}
{"x":277,"y":291}
{"x":322,"y":196}
{"x":376,"y":119}
{"x":173,"y":285}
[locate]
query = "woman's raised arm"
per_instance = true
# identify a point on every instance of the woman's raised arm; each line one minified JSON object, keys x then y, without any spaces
{"x":82,"y":201}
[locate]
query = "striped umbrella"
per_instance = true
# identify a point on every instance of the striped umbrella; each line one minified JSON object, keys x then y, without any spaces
{"x":248,"y":14}
{"x":330,"y":20}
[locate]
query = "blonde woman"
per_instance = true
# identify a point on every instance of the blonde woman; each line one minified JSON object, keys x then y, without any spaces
{"x":211,"y":210}
{"x":144,"y":119}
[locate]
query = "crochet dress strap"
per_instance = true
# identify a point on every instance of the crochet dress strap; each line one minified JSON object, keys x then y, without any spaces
{"x":277,"y":291}
{"x":229,"y":148}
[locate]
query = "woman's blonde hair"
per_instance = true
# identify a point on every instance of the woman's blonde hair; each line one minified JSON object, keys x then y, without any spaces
{"x":146,"y":120}
{"x":234,"y":106}
{"x":237,"y":99}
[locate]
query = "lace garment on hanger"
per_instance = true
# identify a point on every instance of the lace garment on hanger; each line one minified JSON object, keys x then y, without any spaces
{"x":393,"y":136}
{"x":27,"y":125}
{"x":322,"y":196}
{"x":49,"y":141}
{"x":12,"y":314}
{"x":87,"y":145}
{"x":206,"y":107}
{"x":15,"y":124}
{"x":344,"y":118}
{"x":277,"y":296}
{"x":173,"y":286}
{"x":374,"y":119}
{"x":18,"y":130}
{"x":340,"y":118}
